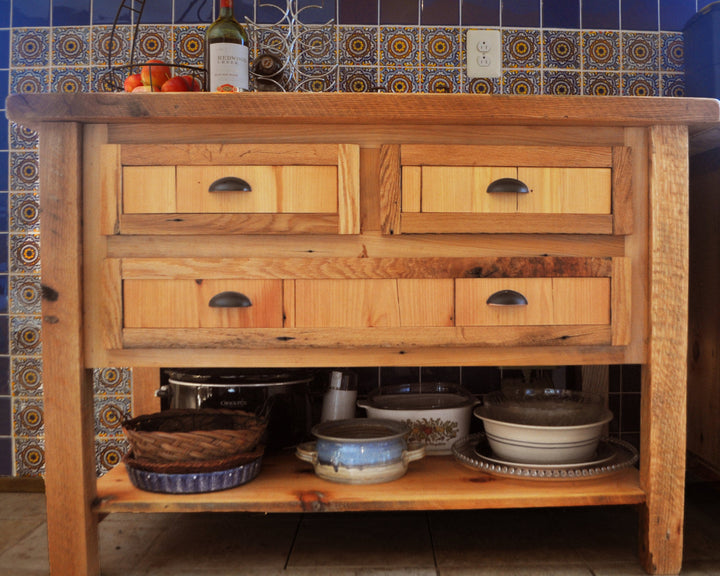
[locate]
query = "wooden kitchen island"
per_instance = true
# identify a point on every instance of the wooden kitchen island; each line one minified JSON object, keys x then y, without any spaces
{"x":365,"y":230}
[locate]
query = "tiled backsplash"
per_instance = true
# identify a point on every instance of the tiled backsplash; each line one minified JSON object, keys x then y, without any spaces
{"x":602,"y":47}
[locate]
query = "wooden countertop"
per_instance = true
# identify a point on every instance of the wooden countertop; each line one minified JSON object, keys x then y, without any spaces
{"x":368,"y":108}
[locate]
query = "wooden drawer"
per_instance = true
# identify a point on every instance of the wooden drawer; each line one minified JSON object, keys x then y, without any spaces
{"x":184,"y":303}
{"x":320,"y":302}
{"x":231,"y":189}
{"x":506,"y":189}
{"x":532,"y":301}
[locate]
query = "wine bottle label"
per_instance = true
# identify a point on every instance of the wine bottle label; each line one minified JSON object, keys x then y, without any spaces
{"x":228,"y":67}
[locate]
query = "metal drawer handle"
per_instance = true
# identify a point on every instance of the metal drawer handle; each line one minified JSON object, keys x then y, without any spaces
{"x":508,"y":185}
{"x":230,"y":184}
{"x":230,"y":300}
{"x":507,"y":298}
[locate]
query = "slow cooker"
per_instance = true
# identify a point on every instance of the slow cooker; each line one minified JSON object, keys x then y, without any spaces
{"x":283,"y":396}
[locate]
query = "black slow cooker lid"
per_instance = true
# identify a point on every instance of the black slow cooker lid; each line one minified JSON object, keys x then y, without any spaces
{"x":240,"y":376}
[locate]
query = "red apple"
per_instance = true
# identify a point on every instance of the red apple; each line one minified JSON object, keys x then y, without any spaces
{"x":193,"y":82}
{"x":175,"y":84}
{"x":142,"y":88}
{"x":132,"y":82}
{"x":155,"y":73}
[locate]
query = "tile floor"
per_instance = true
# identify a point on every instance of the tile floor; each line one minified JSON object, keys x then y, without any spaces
{"x":538,"y":542}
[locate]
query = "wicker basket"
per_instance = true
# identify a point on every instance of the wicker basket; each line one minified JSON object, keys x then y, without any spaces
{"x":193,"y":435}
{"x":194,"y":466}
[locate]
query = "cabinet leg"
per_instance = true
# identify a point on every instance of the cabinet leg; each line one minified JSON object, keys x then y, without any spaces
{"x":663,"y":408}
{"x":70,"y":485}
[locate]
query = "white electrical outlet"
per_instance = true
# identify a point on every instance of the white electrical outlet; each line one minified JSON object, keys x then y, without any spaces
{"x":484,"y":53}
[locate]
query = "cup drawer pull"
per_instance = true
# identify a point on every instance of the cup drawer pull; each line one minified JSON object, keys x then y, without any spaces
{"x":507,"y":185}
{"x":230,"y":300}
{"x":230,"y":184}
{"x":507,"y":298}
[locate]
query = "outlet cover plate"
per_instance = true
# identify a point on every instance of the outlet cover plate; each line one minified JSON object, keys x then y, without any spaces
{"x":483,"y":53}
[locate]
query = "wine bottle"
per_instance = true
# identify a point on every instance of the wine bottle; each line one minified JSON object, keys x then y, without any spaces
{"x":226,"y":52}
{"x":268,"y":72}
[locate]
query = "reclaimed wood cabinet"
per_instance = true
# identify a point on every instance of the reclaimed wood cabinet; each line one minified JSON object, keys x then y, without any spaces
{"x":362,"y":230}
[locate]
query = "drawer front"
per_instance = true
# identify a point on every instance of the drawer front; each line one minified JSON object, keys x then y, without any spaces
{"x":506,"y":189}
{"x":231,"y":189}
{"x":192,"y":189}
{"x":179,"y":303}
{"x":373,"y":303}
{"x":550,"y":190}
{"x":300,"y":302}
{"x":532,"y":301}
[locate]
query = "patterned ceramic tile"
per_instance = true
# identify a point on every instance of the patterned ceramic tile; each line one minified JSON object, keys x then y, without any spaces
{"x":562,"y":83}
{"x":355,"y":79}
{"x":399,"y":80}
{"x":190,"y":44}
{"x":483,"y":85}
{"x":522,"y":82}
{"x":114,"y":381}
{"x":358,"y":45}
{"x":444,"y":80}
{"x":30,"y":47}
{"x":641,"y":84}
{"x":70,"y":80}
{"x":109,"y":453}
{"x":25,"y":295}
{"x":400,"y":46}
{"x":28,"y":417}
{"x":22,"y":138}
{"x":672,"y":52}
{"x":561,"y":49}
{"x":639,"y":51}
{"x":71,"y":46}
{"x":601,"y":51}
{"x":23,"y":171}
{"x":26,"y":376}
{"x":521,"y":48}
{"x":154,"y":42}
{"x":29,"y":456}
{"x":24,"y":254}
{"x":672,"y":85}
{"x":24,"y":212}
{"x":316,"y":79}
{"x":317,"y":46}
{"x":440,"y":47}
{"x":29,"y":81}
{"x":111,"y":47}
{"x":25,"y":336}
{"x":103,"y":79}
{"x":109,"y":414}
{"x":601,"y":84}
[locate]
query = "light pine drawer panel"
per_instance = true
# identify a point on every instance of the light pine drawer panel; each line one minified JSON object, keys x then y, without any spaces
{"x":550,"y":301}
{"x":373,"y":303}
{"x":180,"y":303}
{"x":275,"y":189}
{"x":551,"y":190}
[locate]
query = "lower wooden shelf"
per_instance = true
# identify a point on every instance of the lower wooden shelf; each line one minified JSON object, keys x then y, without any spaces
{"x":286,"y":484}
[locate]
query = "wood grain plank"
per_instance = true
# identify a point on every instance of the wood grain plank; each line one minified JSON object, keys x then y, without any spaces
{"x":339,"y":267}
{"x":277,"y":154}
{"x":467,"y":155}
{"x":348,"y":189}
{"x":424,"y":223}
{"x":67,"y":386}
{"x":663,"y":404}
{"x":622,"y":207}
{"x":285,"y":484}
{"x":387,"y":109}
{"x":181,"y":224}
{"x":390,"y":189}
{"x":356,"y":338}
